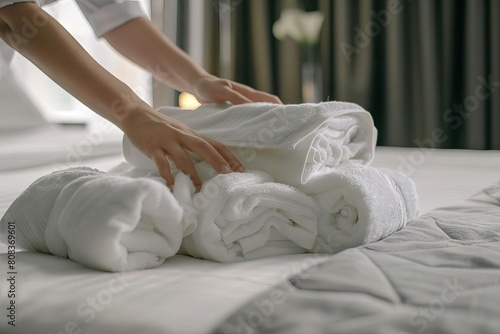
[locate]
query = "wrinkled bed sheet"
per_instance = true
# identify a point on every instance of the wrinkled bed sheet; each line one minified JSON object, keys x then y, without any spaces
{"x":192,"y":296}
{"x":440,"y":274}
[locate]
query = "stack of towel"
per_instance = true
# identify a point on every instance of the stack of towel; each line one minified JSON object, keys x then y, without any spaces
{"x":308,"y":188}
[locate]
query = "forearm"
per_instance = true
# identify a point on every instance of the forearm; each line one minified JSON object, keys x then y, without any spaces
{"x":160,"y":138}
{"x":141,"y":42}
{"x":60,"y":56}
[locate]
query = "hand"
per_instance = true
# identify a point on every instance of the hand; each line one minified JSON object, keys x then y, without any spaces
{"x":211,"y":89}
{"x":162,"y":139}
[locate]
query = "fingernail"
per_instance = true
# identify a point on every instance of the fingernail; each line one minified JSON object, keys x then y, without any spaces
{"x":225,"y":169}
{"x":171,"y":187}
{"x":241,"y":169}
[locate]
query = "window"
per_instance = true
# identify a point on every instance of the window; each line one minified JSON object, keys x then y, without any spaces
{"x":55,"y":103}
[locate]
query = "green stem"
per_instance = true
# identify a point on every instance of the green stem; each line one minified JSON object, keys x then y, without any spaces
{"x":310,"y":52}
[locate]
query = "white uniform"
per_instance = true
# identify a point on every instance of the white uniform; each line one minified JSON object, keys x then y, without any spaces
{"x":103,"y":16}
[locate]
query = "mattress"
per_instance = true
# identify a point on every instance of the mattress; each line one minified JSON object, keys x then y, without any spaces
{"x":184,"y":295}
{"x":440,"y":274}
{"x":443,"y":177}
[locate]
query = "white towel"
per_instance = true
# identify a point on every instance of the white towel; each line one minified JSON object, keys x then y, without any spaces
{"x":107,"y":222}
{"x":290,"y":142}
{"x":243,"y":216}
{"x":360,"y":204}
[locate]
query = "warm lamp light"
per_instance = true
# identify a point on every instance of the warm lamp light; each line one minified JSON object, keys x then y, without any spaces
{"x":188,"y":101}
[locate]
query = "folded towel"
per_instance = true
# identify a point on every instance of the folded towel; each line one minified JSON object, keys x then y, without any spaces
{"x":107,"y":222}
{"x":289,"y":142}
{"x":360,"y":204}
{"x":243,"y":216}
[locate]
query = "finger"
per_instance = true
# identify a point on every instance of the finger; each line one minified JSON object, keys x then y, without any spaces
{"x":270,"y":98}
{"x":185,"y":164}
{"x":264,"y":97}
{"x":233,"y":161}
{"x":208,"y":153}
{"x":255,"y":95}
{"x":161,"y":162}
{"x":229,"y":95}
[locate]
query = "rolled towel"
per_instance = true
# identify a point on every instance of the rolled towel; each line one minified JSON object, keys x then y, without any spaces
{"x":360,"y":204}
{"x":31,"y":210}
{"x":289,"y":142}
{"x":244,"y":216}
{"x":107,"y":222}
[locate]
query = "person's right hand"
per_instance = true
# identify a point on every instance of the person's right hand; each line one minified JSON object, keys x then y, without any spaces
{"x":162,"y":139}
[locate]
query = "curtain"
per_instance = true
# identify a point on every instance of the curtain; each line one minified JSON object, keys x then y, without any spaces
{"x":427,"y":70}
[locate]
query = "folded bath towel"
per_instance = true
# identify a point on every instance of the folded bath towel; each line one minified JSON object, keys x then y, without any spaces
{"x":289,"y":142}
{"x":243,"y":216}
{"x":107,"y":222}
{"x":360,"y":204}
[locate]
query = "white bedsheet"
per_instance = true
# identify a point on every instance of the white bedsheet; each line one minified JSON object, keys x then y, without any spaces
{"x":187,"y":295}
{"x":442,"y":177}
{"x":184,"y":295}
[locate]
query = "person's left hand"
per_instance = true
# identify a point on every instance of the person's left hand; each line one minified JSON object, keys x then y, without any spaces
{"x":211,"y":89}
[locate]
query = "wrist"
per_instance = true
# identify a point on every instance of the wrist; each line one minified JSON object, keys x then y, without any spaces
{"x":194,"y":83}
{"x":128,"y":113}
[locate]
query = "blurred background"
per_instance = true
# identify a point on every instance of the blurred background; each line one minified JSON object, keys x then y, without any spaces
{"x":427,"y":70}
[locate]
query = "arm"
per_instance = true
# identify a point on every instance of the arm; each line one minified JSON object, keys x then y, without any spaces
{"x":57,"y":54}
{"x":143,"y":44}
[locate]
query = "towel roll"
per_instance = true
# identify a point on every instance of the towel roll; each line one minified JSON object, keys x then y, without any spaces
{"x":243,"y":216}
{"x":31,"y":210}
{"x":360,"y":204}
{"x":107,"y":222}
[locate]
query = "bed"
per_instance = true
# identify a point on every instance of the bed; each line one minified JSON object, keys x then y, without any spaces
{"x":188,"y":295}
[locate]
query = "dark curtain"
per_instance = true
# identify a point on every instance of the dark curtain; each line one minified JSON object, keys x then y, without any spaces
{"x":427,"y":70}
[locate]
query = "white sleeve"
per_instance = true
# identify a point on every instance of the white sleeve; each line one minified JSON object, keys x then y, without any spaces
{"x":10,"y":2}
{"x":6,"y":52}
{"x":106,"y":15}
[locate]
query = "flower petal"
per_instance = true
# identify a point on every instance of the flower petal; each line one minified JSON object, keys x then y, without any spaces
{"x":302,"y":27}
{"x":310,"y":23}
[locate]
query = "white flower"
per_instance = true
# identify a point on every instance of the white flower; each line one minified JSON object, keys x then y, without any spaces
{"x":302,"y":27}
